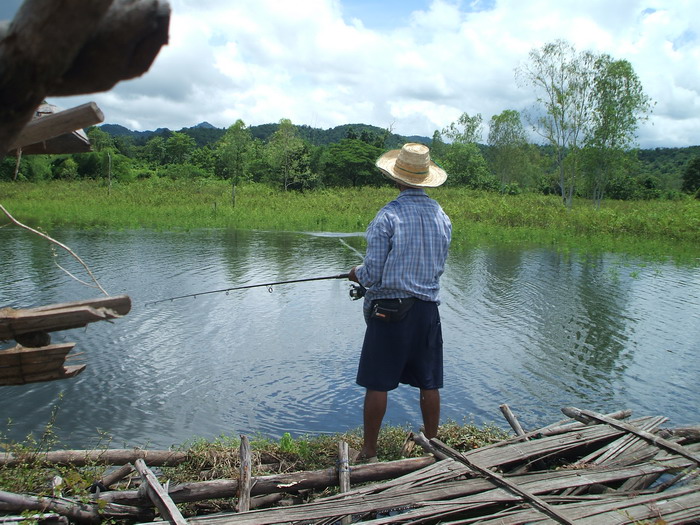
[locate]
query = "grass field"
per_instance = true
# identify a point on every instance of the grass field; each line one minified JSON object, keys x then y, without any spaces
{"x":664,"y":228}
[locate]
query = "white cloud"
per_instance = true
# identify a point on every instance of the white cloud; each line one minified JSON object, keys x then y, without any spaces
{"x":416,"y":65}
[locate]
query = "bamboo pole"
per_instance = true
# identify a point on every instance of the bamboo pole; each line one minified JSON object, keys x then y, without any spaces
{"x":80,"y":458}
{"x":500,"y":481}
{"x":344,"y":474}
{"x":245,"y":474}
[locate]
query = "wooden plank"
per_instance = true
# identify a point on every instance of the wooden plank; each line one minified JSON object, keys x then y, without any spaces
{"x":587,"y":415}
{"x":51,"y":320}
{"x":50,"y":126}
{"x":19,"y":355}
{"x":121,"y":304}
{"x":159,"y":497}
{"x":504,"y":483}
{"x":62,"y":373}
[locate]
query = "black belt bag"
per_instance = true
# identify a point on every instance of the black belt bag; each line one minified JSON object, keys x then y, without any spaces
{"x":392,"y":310}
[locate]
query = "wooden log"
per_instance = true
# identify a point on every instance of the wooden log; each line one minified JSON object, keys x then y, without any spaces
{"x":502,"y":482}
{"x":36,"y":52}
{"x":512,"y":420}
{"x":71,"y":48}
{"x":80,"y":458}
{"x":317,"y":479}
{"x":116,"y":476}
{"x":158,"y":495}
{"x":245,"y":474}
{"x":56,"y":124}
{"x":588,"y":416}
{"x":78,"y":511}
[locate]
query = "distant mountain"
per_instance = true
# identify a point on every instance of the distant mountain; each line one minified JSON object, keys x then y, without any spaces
{"x":204,"y":133}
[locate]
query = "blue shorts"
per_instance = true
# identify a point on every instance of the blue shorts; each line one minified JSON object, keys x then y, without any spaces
{"x":407,"y":351}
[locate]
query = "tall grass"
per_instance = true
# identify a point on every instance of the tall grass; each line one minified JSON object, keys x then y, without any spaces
{"x":651,"y":227}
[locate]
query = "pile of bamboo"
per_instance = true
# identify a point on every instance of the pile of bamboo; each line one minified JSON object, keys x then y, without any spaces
{"x":588,"y":469}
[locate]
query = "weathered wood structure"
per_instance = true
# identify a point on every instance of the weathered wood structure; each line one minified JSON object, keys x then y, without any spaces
{"x":34,"y":359}
{"x":72,"y":47}
{"x":591,"y":469}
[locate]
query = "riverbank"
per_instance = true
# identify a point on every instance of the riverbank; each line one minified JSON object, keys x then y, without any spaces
{"x":651,"y":228}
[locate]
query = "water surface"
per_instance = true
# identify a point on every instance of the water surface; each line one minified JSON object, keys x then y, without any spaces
{"x":530,"y":327}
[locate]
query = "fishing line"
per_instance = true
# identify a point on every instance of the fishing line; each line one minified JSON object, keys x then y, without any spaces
{"x":260,"y":285}
{"x":353,"y":249}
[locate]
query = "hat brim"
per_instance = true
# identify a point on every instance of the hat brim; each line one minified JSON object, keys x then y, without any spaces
{"x":436,"y":175}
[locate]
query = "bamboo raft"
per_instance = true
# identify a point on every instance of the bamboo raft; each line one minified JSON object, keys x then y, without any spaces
{"x":589,"y":469}
{"x":34,"y":359}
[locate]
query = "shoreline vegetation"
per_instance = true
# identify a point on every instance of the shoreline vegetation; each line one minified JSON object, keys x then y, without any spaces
{"x":654,"y":228}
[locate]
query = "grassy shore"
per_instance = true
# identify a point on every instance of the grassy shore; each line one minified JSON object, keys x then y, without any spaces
{"x":219,"y":458}
{"x":663,"y":228}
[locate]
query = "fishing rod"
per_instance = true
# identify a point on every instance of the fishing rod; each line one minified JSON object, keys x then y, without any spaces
{"x":267,"y":285}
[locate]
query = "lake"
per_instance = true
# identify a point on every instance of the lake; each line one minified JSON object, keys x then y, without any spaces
{"x":532,"y":327}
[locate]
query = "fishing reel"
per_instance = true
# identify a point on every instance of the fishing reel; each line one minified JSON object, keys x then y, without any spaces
{"x":357,"y":291}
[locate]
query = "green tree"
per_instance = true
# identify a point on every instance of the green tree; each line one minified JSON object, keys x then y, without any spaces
{"x":154,"y":151}
{"x":466,"y":165}
{"x":618,"y":106}
{"x":462,"y":159}
{"x":232,"y":150}
{"x":289,"y":157}
{"x":178,"y":148}
{"x":437,"y":146}
{"x":467,"y":130}
{"x":564,"y":84}
{"x":508,"y":144}
{"x":350,"y":163}
{"x":691,"y":176}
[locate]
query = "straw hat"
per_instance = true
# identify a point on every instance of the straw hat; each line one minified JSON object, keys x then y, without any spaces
{"x":411,"y":166}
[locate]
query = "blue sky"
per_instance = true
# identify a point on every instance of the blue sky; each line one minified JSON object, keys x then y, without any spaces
{"x":412,"y":65}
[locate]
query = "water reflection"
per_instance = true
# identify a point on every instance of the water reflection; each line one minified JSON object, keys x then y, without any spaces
{"x":529,"y":327}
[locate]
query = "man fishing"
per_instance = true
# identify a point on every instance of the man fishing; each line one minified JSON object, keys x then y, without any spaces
{"x":407,"y":245}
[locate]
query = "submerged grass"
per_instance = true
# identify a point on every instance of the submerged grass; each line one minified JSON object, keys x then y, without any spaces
{"x":653,"y":228}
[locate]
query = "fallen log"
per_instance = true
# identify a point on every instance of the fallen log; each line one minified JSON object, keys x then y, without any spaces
{"x":317,"y":479}
{"x":75,"y":510}
{"x":80,"y":458}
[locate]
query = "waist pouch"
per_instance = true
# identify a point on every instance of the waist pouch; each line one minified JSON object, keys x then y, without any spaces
{"x":391,"y":310}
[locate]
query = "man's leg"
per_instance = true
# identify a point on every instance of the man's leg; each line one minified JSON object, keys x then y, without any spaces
{"x":375,"y":407}
{"x":430,"y":408}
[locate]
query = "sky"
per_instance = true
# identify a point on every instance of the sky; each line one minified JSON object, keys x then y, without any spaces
{"x":410,"y":65}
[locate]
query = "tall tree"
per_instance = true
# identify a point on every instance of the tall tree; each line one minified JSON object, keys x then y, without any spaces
{"x":619,"y":105}
{"x":289,"y":156}
{"x":508,"y":141}
{"x":233,"y":149}
{"x":691,"y":177}
{"x":467,"y":129}
{"x":564,"y":84}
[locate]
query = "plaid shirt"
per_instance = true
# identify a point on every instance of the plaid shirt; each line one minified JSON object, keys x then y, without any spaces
{"x":407,"y":245}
